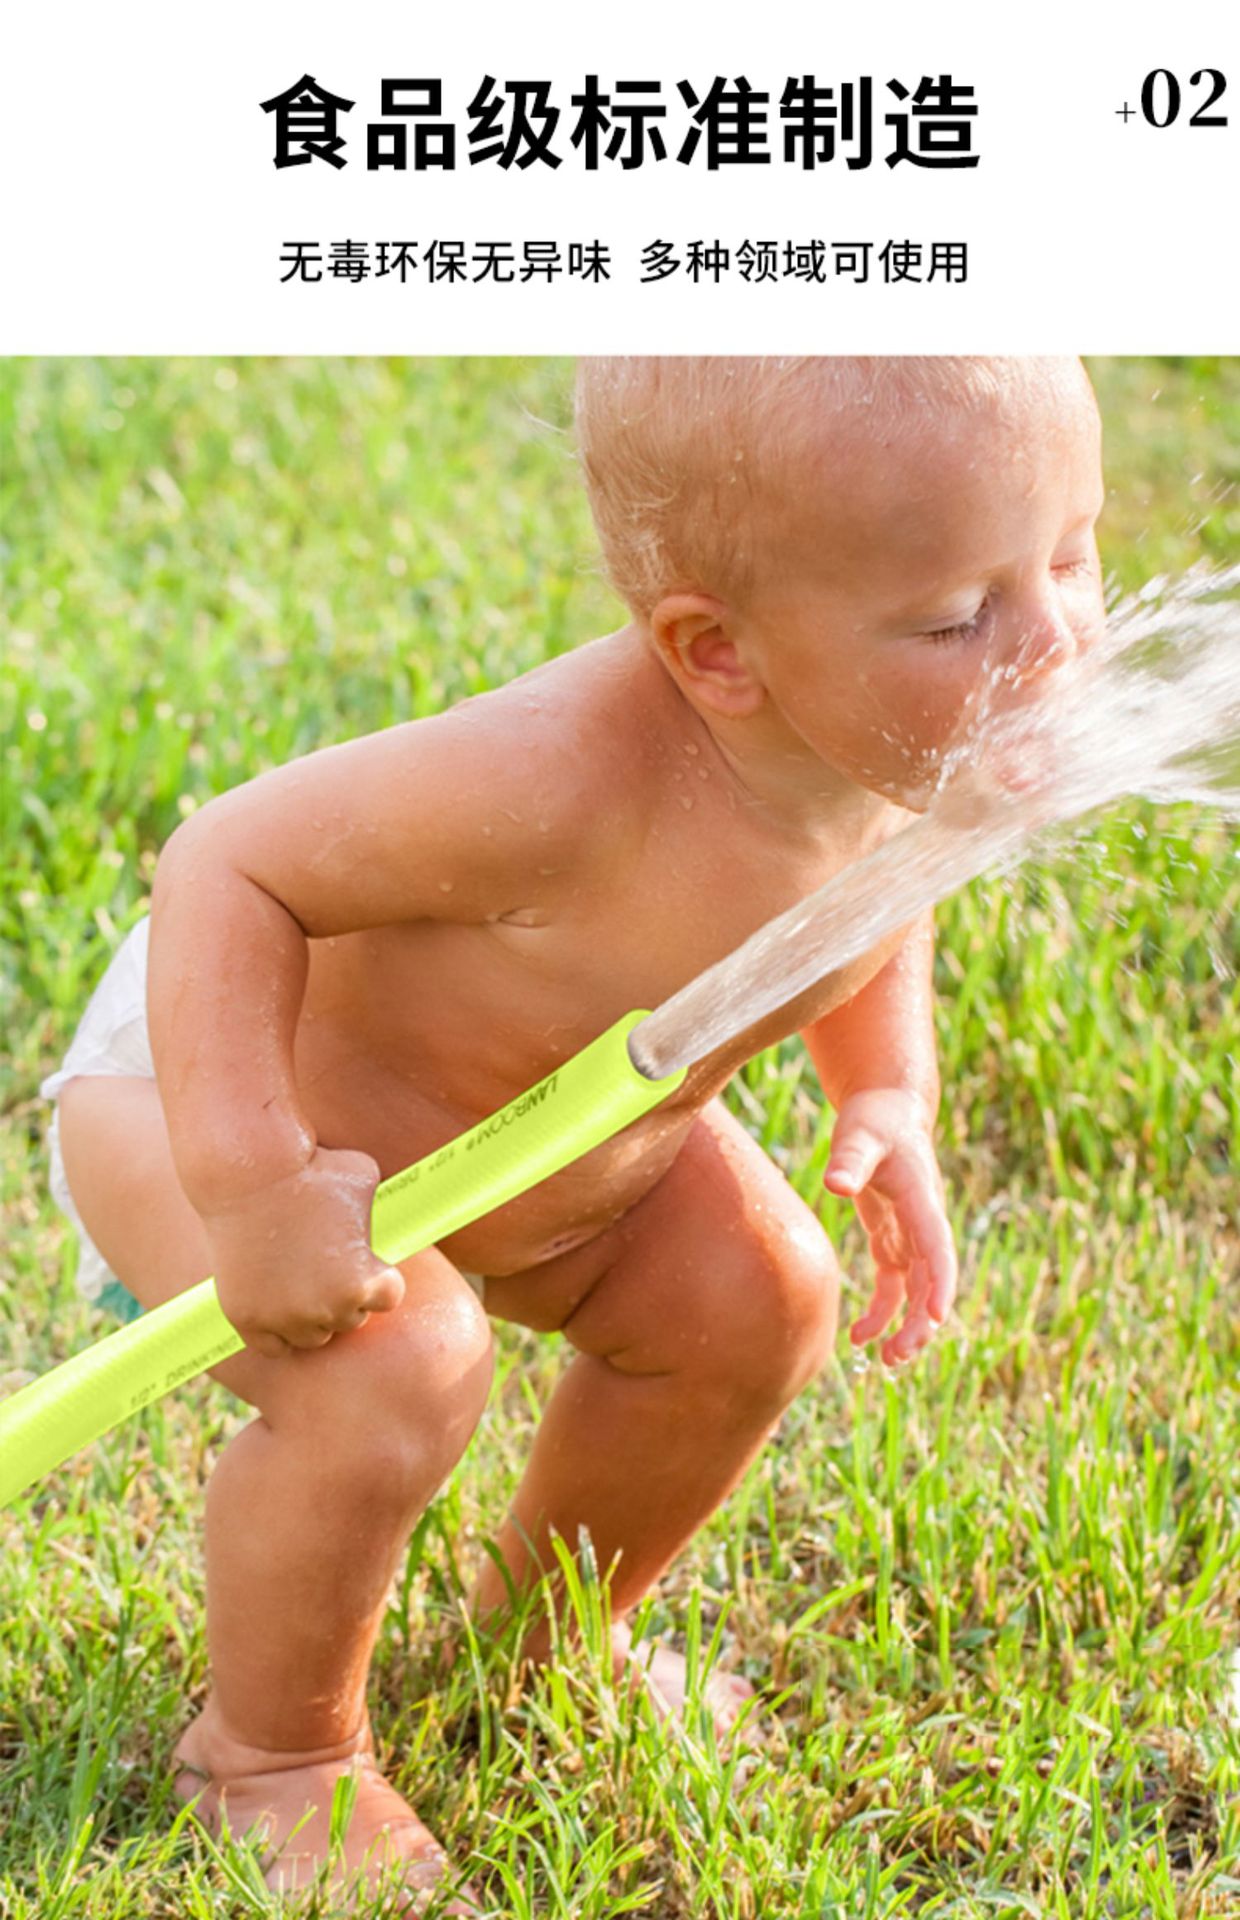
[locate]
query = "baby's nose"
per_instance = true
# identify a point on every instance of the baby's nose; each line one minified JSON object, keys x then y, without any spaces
{"x":1044,"y":644}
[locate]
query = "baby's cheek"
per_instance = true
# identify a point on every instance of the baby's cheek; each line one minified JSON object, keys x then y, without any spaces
{"x":939,"y":707}
{"x":1087,"y":614}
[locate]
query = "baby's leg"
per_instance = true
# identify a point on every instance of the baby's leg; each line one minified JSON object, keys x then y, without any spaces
{"x":697,"y":1319}
{"x":309,"y":1507}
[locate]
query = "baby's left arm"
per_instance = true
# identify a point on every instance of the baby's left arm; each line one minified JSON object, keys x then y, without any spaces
{"x":875,"y":1057}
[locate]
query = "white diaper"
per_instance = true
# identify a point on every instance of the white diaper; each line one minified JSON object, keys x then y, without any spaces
{"x":112,"y":1038}
{"x":111,"y":1035}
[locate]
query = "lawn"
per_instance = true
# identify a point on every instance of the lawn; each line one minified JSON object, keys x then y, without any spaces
{"x":994,"y":1600}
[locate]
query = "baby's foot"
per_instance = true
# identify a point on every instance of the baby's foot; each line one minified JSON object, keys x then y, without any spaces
{"x":661,"y":1670}
{"x":278,"y":1791}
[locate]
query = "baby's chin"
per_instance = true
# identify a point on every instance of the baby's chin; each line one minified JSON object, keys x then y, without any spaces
{"x":918,"y":800}
{"x":965,"y":793}
{"x":999,"y":774}
{"x":917,"y":794}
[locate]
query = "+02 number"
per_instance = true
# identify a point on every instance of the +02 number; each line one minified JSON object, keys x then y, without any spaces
{"x":1170,"y":98}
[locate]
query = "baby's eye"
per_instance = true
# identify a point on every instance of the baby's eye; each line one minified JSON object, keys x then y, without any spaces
{"x":962,"y":629}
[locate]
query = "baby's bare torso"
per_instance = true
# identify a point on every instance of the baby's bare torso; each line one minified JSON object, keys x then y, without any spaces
{"x":411,"y":1033}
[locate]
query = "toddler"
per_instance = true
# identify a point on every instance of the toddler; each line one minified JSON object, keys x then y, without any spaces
{"x":831,"y":568}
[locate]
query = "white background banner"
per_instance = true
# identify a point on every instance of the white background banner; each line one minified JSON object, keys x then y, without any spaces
{"x":144,"y":212}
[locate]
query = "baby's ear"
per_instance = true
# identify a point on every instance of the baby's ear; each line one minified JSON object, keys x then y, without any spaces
{"x":692,"y":632}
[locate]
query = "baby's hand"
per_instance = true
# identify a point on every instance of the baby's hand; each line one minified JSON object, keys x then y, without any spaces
{"x":293,"y":1261}
{"x":882,"y":1155}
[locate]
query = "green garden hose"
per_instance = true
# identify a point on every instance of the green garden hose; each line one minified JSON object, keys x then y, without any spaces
{"x":584,"y":1102}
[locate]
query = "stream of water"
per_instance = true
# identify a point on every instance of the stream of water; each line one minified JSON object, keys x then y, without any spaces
{"x":1153,"y":709}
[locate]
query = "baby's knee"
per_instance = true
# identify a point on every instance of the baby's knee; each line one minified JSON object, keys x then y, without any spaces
{"x":780,"y":1308}
{"x":398,"y":1398}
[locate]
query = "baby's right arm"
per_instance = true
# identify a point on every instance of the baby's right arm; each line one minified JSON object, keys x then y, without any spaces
{"x":414,"y":823}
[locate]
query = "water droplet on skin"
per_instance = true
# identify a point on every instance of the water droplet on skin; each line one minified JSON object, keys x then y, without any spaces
{"x":692,"y":747}
{"x":446,"y":886}
{"x":487,"y":832}
{"x":686,"y":803}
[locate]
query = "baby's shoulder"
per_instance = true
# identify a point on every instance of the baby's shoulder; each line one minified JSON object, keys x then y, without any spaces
{"x":560,"y":748}
{"x":590,"y":718}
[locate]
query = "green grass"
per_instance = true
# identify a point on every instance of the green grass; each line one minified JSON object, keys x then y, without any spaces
{"x":993,"y":1600}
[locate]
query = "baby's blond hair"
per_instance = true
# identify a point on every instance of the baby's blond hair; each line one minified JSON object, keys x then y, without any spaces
{"x":678,"y":452}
